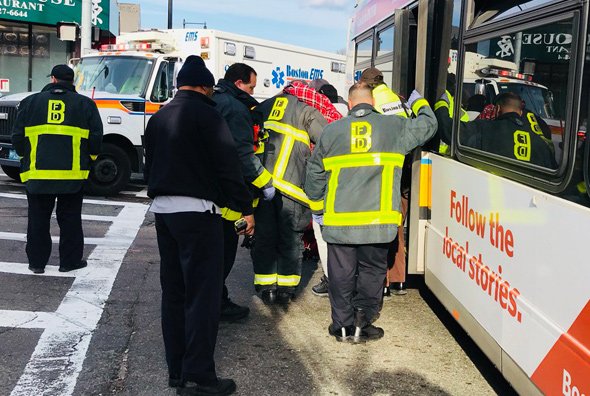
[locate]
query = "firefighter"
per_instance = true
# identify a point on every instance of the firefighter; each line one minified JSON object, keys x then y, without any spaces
{"x":386,"y":101}
{"x":57,"y":132}
{"x":232,"y":94}
{"x":278,"y":247}
{"x":509,"y":134}
{"x":448,"y":105}
{"x":353,"y":177}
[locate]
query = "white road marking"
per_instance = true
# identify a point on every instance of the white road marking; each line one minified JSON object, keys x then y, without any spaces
{"x":23,"y":269}
{"x":59,"y":355}
{"x":18,"y":236}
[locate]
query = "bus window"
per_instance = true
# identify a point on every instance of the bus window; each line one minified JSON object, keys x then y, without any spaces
{"x":385,"y":41}
{"x":497,"y":10}
{"x":364,"y":50}
{"x":533,"y":64}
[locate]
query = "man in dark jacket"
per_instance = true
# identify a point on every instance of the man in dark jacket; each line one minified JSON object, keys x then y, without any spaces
{"x":234,"y":101}
{"x":56,"y":133}
{"x":509,"y":135}
{"x":192,"y":170}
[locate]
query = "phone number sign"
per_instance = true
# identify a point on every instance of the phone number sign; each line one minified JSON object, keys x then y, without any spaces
{"x":51,"y":12}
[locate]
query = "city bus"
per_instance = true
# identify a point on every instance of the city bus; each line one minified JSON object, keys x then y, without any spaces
{"x":500,"y":241}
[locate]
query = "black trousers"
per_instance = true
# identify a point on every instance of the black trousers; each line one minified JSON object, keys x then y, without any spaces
{"x":277,"y":253}
{"x":69,"y":218}
{"x":230,"y":248}
{"x":191,"y":276}
{"x":348,"y":291}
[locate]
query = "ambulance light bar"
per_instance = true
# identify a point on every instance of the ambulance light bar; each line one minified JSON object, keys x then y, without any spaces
{"x":506,"y":73}
{"x":133,"y":47}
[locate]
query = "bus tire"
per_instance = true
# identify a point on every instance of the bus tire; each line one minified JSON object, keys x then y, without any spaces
{"x":110,"y":173}
{"x":12,"y":171}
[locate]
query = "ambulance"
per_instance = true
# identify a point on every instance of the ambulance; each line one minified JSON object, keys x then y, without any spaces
{"x":131,"y":79}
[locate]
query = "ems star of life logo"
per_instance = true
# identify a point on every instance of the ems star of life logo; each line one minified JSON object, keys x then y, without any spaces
{"x":278,"y":77}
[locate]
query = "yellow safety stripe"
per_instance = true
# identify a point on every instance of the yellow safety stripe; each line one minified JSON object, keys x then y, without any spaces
{"x":417,"y":105}
{"x":292,"y":135}
{"x":262,"y":179}
{"x":35,"y":174}
{"x":288,"y":130}
{"x":265,"y":279}
{"x":288,"y":280}
{"x":365,"y":159}
{"x":316,"y":205}
{"x":77,"y":134}
{"x":64,"y":130}
{"x":232,"y":215}
{"x":93,"y":157}
{"x":260,"y":149}
{"x":386,"y":215}
{"x":439,"y":104}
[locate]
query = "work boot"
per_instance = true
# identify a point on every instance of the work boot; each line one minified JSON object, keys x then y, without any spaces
{"x":284,"y":297}
{"x":223,"y":386}
{"x":321,"y":289}
{"x":398,"y":288}
{"x":363,"y":329}
{"x":386,"y":292}
{"x":231,"y":311}
{"x":342,"y":334}
{"x":269,"y":296}
{"x":36,"y":270}
{"x":175,"y":382}
{"x":80,"y":265}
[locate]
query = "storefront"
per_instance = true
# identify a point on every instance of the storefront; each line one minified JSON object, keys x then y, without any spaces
{"x":29,"y":45}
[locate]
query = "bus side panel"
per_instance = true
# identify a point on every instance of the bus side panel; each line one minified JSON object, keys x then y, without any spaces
{"x":506,"y":253}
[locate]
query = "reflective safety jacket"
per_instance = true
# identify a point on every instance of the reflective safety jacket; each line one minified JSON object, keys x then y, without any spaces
{"x":444,"y":148}
{"x":56,"y":132}
{"x":388,"y":102}
{"x":292,"y":125}
{"x":509,"y":135}
{"x":355,"y":171}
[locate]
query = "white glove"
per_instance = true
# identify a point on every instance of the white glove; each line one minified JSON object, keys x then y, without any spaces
{"x":413,"y":98}
{"x":269,"y":193}
{"x":318,"y":218}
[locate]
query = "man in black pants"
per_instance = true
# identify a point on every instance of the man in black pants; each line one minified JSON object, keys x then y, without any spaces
{"x":57,"y":133}
{"x":192,"y":170}
{"x":232,"y":94}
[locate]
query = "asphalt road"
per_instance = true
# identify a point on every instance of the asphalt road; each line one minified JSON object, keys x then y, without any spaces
{"x":97,"y":331}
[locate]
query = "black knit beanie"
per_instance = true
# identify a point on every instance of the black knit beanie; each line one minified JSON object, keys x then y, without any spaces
{"x":194,"y":73}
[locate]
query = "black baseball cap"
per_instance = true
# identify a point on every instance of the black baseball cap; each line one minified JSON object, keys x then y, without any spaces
{"x":62,"y":72}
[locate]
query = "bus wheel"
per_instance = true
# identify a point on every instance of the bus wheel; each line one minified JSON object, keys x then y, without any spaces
{"x":12,"y":171}
{"x":110,"y":172}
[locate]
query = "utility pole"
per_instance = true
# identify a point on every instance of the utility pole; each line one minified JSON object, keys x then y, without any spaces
{"x":86,"y":28}
{"x":169,"y":14}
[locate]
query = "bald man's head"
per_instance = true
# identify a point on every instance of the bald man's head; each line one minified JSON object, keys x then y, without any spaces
{"x":359,"y":93}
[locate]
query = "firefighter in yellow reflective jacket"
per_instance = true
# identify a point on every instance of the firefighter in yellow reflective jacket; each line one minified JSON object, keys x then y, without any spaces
{"x":278,"y":247}
{"x":353,"y":178}
{"x":56,"y":133}
{"x":449,"y":105}
{"x":385,"y":100}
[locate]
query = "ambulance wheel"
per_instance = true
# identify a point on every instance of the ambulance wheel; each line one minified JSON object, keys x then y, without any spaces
{"x":12,"y":171}
{"x":110,"y":172}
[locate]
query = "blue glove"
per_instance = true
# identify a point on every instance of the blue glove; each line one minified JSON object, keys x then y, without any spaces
{"x":269,"y":193}
{"x":318,"y":218}
{"x":413,"y":98}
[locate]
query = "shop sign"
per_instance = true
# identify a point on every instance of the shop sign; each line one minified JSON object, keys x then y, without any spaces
{"x":51,"y":12}
{"x":547,"y":44}
{"x":4,"y":85}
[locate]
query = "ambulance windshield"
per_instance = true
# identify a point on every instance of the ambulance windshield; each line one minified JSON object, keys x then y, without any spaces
{"x":114,"y":74}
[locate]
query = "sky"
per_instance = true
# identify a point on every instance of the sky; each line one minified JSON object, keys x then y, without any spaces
{"x":317,"y":24}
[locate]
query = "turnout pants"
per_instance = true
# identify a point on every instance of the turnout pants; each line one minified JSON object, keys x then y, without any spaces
{"x":278,"y":247}
{"x":191,"y":276}
{"x":69,"y":218}
{"x":349,"y":291}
